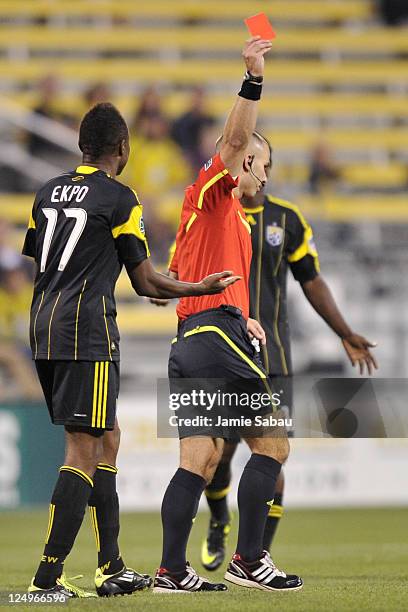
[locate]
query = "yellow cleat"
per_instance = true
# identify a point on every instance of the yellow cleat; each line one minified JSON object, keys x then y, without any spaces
{"x":75,"y":590}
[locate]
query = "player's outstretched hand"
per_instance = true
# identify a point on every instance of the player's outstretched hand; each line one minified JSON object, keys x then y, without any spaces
{"x":358,"y":351}
{"x":218,"y":282}
{"x":159,"y":301}
{"x":253,"y":54}
{"x":255,"y":330}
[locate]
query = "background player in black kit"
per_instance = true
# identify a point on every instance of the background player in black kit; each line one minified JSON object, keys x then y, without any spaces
{"x":282,"y":239}
{"x":84,"y":226}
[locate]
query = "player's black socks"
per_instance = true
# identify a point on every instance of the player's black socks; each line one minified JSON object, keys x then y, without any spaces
{"x":274,"y":515}
{"x":67,"y":510}
{"x":256,"y":489}
{"x":104,"y":511}
{"x":178,"y":510}
{"x":217,"y":491}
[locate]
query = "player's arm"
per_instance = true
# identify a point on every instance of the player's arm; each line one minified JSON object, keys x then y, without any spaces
{"x":241,"y":121}
{"x":357,"y":347}
{"x":304,"y":262}
{"x":150,"y":283}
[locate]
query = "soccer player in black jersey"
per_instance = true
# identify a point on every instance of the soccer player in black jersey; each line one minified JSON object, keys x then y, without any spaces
{"x":83,"y":228}
{"x":281,"y":239}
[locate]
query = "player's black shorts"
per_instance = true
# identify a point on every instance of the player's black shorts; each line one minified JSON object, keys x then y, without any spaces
{"x":80,"y":393}
{"x":213,"y":345}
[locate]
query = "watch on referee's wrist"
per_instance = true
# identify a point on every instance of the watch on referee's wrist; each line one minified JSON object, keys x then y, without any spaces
{"x":252,"y":78}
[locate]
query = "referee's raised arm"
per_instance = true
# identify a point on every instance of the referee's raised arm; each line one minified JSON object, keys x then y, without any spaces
{"x":241,"y":121}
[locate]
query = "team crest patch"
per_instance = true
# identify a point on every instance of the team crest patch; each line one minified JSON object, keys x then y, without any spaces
{"x":274,"y":235}
{"x":141,"y":225}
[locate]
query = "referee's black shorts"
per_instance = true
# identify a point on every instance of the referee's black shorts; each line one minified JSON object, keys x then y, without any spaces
{"x":80,"y":394}
{"x":214,"y":344}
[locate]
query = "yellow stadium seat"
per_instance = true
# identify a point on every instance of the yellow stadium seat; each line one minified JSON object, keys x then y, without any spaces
{"x":304,"y":10}
{"x":187,"y":38}
{"x":218,"y":104}
{"x":199,"y":71}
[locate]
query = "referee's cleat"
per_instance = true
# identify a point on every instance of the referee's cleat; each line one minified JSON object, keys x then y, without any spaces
{"x":125,"y":582}
{"x":261,"y":574}
{"x":184,"y":582}
{"x":63,"y":587}
{"x":213,"y":548}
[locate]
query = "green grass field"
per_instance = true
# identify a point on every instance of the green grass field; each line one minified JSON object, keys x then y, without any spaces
{"x":349,"y":560}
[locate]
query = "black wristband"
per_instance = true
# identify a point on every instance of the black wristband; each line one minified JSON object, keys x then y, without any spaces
{"x":250,"y":90}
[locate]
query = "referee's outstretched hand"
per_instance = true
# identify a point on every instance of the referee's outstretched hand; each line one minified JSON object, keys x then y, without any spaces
{"x":218,"y":282}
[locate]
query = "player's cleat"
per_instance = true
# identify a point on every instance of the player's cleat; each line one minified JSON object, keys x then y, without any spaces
{"x":125,"y":582}
{"x":213,"y":548}
{"x":62,"y":587}
{"x":188,"y":582}
{"x":261,"y":574}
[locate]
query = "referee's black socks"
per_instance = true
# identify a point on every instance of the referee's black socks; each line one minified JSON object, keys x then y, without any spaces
{"x":255,"y":493}
{"x":67,"y":510}
{"x":179,"y":507}
{"x":104,"y":511}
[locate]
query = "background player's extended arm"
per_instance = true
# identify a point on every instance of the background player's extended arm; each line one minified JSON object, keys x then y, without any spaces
{"x":357,"y":347}
{"x":150,"y":283}
{"x":241,"y":121}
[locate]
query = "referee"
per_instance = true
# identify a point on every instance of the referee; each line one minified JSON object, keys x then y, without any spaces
{"x":282,"y":239}
{"x":213,"y":342}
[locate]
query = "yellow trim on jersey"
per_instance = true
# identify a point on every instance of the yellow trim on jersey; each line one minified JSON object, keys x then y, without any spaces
{"x":107,"y":467}
{"x":35,"y":325}
{"x":77,"y":320}
{"x":258,"y":284}
{"x":78,"y":472}
{"x":106,"y":327}
{"x":191,"y":221}
{"x":286,"y":204}
{"x":132,"y":226}
{"x":276,"y":333}
{"x":255,"y":210}
{"x":217,"y":494}
{"x":231,"y":343}
{"x":244,"y":221}
{"x":275,"y":511}
{"x":207,"y":186}
{"x":50,"y":522}
{"x":278,"y":263}
{"x":31,"y":222}
{"x":86,"y":169}
{"x":174,"y":341}
{"x":94,"y":521}
{"x":305,"y":248}
{"x":50,"y":323}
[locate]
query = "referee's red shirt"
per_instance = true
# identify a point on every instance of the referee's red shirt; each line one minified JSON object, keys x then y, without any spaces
{"x":213,"y":236}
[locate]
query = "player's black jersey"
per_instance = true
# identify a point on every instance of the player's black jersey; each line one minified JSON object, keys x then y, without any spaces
{"x":84,"y":226}
{"x":280,"y":237}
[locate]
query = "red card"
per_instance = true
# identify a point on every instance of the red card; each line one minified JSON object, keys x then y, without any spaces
{"x":259,"y":25}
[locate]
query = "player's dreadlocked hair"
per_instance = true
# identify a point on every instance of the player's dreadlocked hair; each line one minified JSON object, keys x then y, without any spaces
{"x":102,"y":130}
